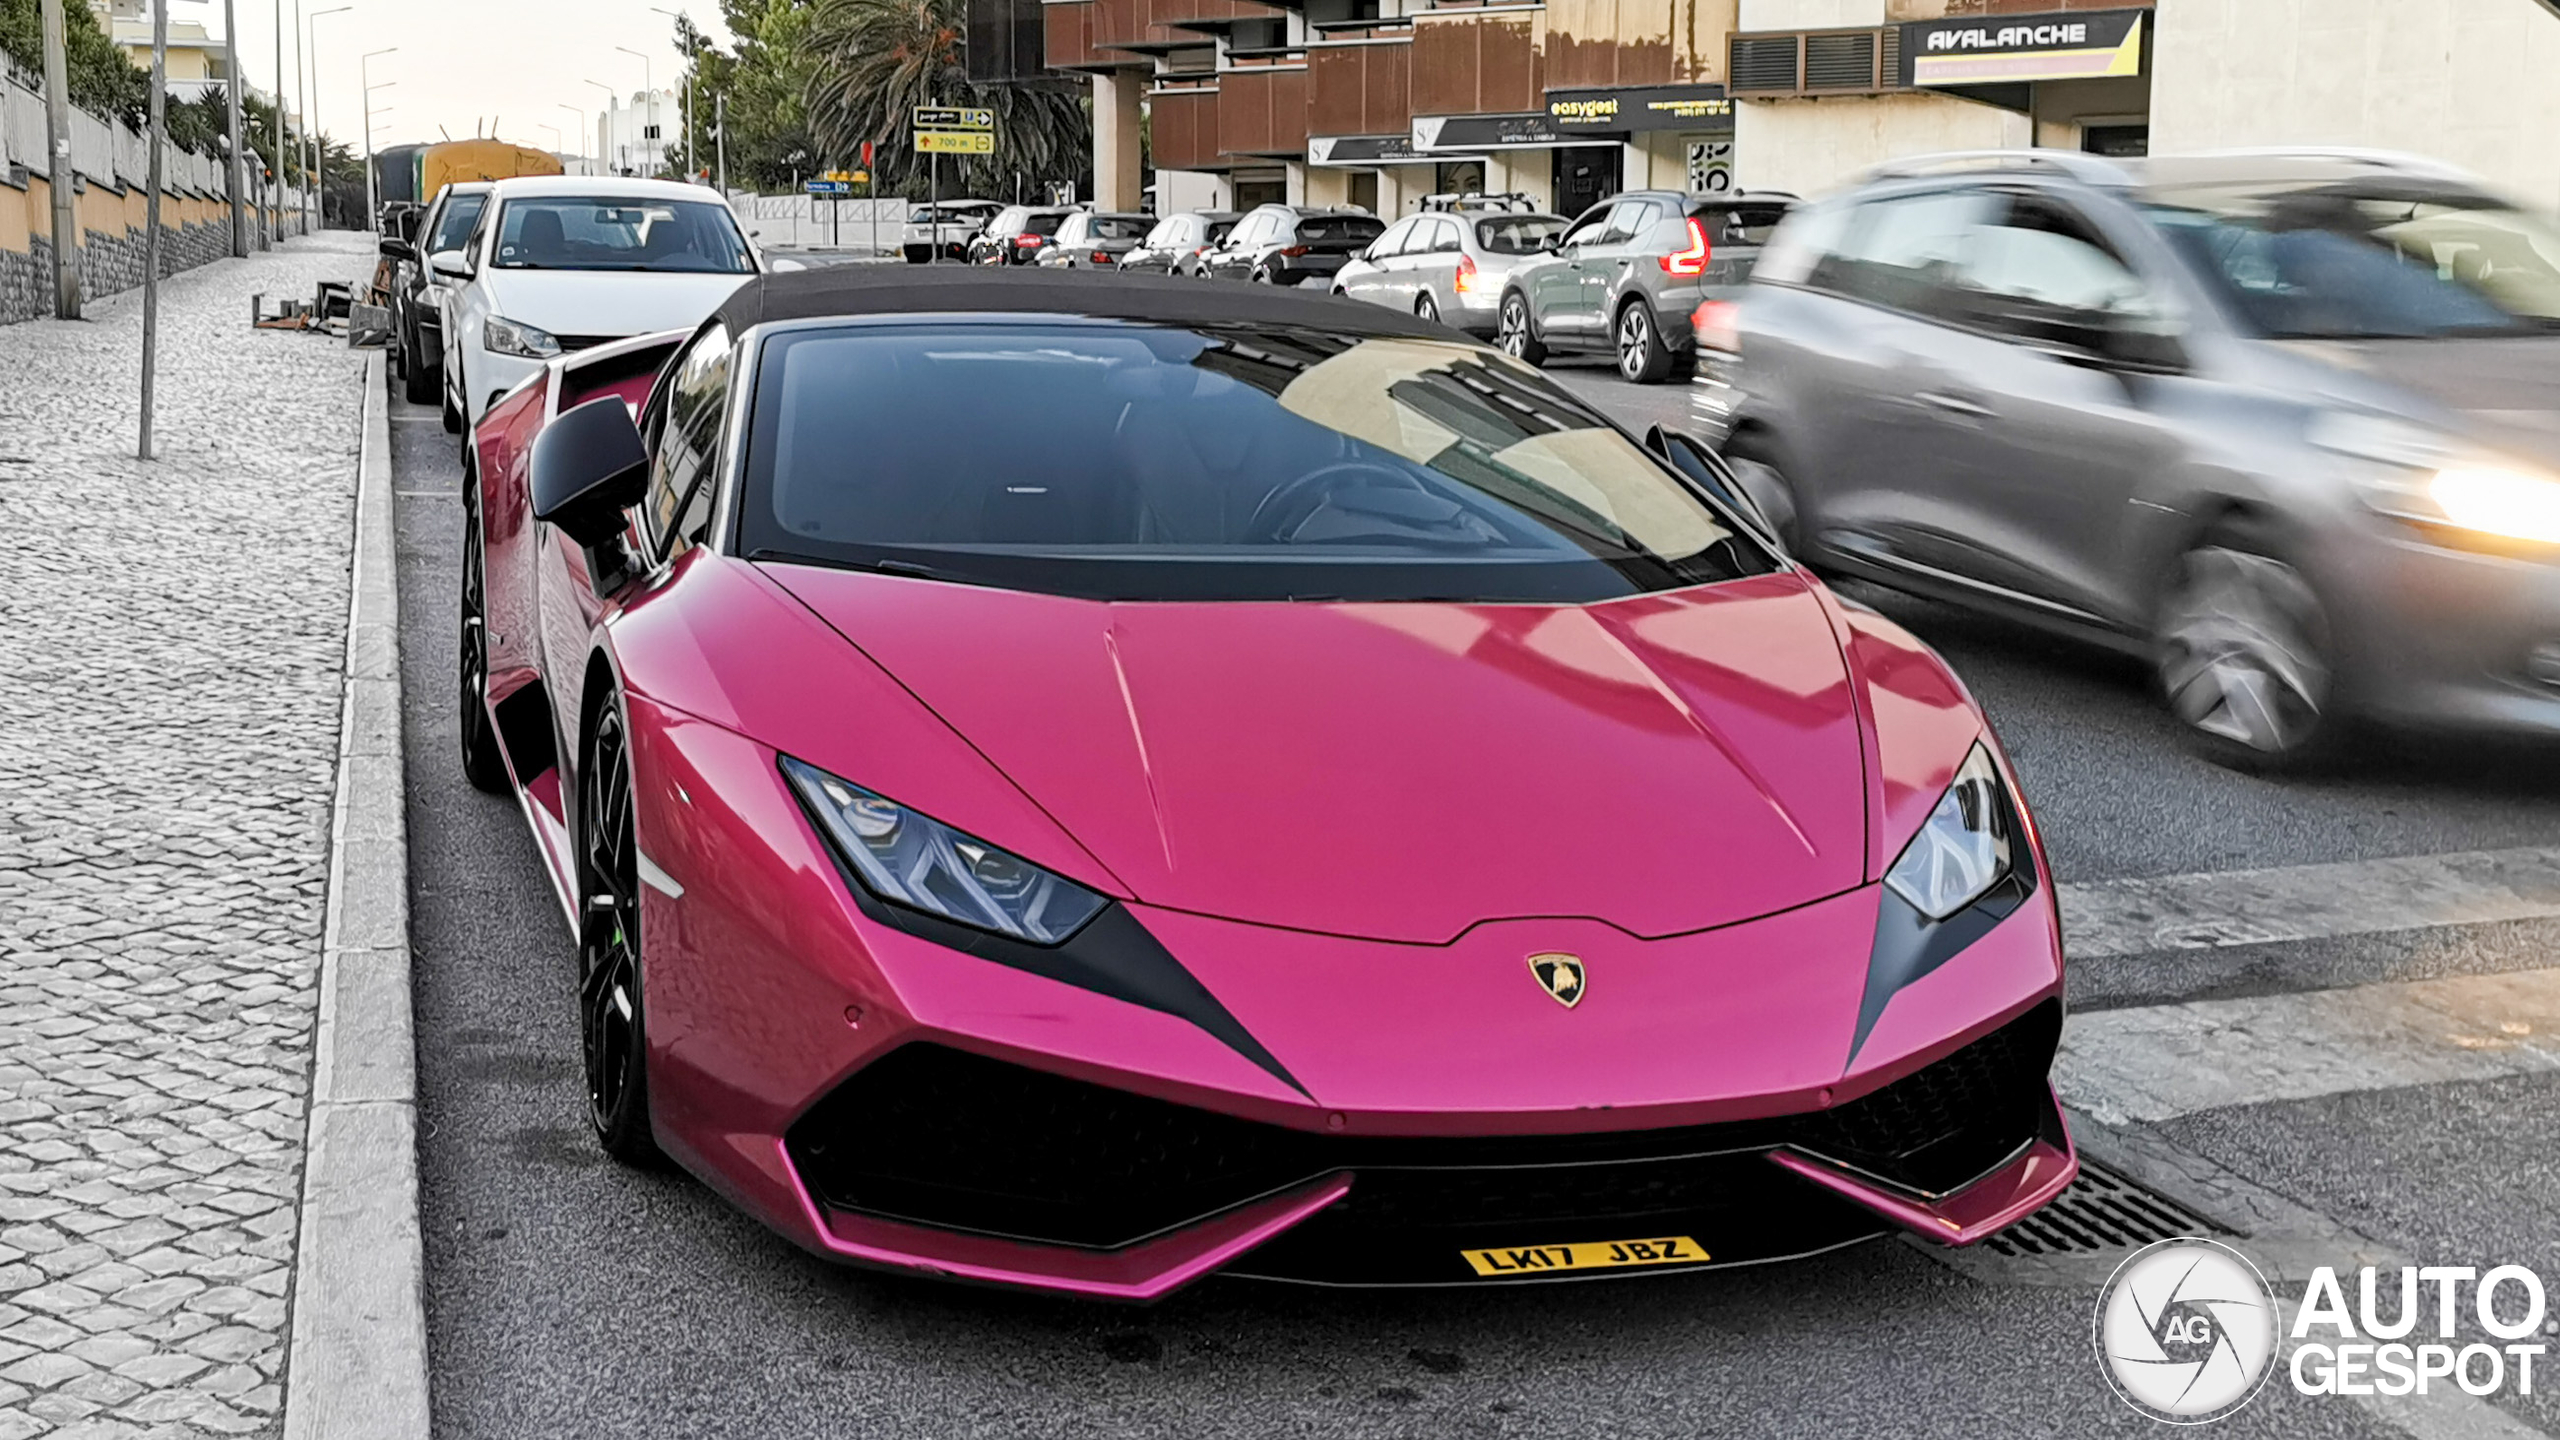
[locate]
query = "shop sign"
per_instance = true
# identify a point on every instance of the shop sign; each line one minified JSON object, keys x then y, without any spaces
{"x":2003,"y":49}
{"x":1700,"y":109}
{"x":1486,"y":132}
{"x":1362,"y":150}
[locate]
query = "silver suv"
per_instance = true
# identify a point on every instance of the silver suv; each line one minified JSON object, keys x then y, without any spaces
{"x":2285,"y":424}
{"x":1625,"y":279}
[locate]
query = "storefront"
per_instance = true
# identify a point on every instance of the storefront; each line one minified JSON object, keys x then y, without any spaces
{"x":2082,"y":76}
{"x":1668,"y":137}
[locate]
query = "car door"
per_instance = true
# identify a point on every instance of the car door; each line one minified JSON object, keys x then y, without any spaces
{"x":2038,"y":487}
{"x":682,"y":431}
{"x":1880,"y":415}
{"x":1555,"y":287}
{"x":1373,"y":278}
{"x":1062,"y":246}
{"x":1608,"y":263}
{"x":1233,"y":259}
{"x":1431,"y":264}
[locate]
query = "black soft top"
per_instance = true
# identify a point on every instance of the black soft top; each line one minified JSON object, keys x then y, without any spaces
{"x":855,"y":290}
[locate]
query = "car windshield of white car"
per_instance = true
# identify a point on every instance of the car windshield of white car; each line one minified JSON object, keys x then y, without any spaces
{"x":1214,"y":462}
{"x":2365,"y":263}
{"x":453,"y":231}
{"x":570,"y":232}
{"x":1518,"y":234}
{"x":1327,"y":229}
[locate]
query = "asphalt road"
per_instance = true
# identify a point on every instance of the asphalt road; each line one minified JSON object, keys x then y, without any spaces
{"x":570,"y":1297}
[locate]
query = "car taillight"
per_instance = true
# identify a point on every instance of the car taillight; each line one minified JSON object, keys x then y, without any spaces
{"x":1469,"y":281}
{"x":1717,"y":325}
{"x":1101,"y":257}
{"x":1293,"y":249}
{"x":1027,"y":241}
{"x":1692,"y":261}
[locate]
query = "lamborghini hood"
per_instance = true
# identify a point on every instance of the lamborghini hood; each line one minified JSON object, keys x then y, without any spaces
{"x":1404,"y":771}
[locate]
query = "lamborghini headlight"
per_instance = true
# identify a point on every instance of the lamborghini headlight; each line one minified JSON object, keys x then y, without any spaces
{"x":509,"y":337}
{"x":913,"y":860}
{"x":1964,"y":848}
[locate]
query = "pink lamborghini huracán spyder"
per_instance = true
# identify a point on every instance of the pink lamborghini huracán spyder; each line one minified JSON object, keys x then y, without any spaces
{"x":1085,"y":782}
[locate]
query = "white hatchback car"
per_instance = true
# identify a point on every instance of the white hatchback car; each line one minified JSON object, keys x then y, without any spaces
{"x":561,"y":263}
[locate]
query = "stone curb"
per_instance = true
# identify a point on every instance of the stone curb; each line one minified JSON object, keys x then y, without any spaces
{"x":357,"y":1368}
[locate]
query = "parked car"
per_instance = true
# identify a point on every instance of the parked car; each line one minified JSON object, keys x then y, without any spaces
{"x":1089,"y":239}
{"x":950,"y":225}
{"x":2285,"y":425}
{"x":862,"y":766}
{"x":418,"y":291}
{"x":1173,"y":247}
{"x":1629,"y":274}
{"x":1289,"y":245}
{"x":558,"y":264}
{"x":1017,"y":234}
{"x":1449,"y":265}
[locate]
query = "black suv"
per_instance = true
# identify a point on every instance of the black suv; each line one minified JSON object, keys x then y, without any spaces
{"x":1288,"y":244}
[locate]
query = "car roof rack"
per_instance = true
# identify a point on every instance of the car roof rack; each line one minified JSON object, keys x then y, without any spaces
{"x":2088,"y":169}
{"x":1508,"y":200}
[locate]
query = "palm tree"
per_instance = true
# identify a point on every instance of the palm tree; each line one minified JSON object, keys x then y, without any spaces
{"x":880,"y":59}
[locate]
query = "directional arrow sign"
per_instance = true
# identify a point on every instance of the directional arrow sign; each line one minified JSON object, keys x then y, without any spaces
{"x":954,"y":117}
{"x":955,"y":142}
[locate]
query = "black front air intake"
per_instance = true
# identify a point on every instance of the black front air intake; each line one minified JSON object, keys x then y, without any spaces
{"x":941,"y":1137}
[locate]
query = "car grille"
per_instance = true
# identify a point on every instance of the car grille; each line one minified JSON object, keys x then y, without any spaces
{"x":941,"y":1137}
{"x":571,"y":344}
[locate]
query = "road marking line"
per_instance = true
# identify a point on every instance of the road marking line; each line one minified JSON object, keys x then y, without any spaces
{"x":2157,"y":1062}
{"x":2308,"y":902}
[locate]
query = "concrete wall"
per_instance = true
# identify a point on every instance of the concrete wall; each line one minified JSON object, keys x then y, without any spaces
{"x":2475,"y":82}
{"x":1809,"y":14}
{"x":1809,"y":146}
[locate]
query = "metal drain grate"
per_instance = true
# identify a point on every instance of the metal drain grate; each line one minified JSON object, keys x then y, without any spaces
{"x":2101,"y":1210}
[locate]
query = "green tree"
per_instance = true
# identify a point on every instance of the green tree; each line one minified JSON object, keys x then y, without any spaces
{"x":102,"y":80}
{"x":766,"y":85}
{"x":879,"y":59}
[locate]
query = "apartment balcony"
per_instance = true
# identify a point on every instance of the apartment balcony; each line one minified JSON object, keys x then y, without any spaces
{"x":1479,"y":60}
{"x":1598,"y":44}
{"x":1360,"y":81}
{"x":1184,"y":131}
{"x":1262,"y":108}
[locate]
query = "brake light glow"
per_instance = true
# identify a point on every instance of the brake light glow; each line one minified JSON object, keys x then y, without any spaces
{"x":1293,"y":249}
{"x":1692,"y":261}
{"x":1101,"y":257}
{"x":1469,"y":281}
{"x":1717,"y":325}
{"x":1026,"y":239}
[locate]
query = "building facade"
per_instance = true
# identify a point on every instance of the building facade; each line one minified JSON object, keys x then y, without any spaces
{"x":1377,"y":103}
{"x":633,"y":136}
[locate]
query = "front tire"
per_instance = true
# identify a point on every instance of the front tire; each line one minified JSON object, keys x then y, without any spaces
{"x":1642,"y":357}
{"x":420,"y":385}
{"x":1426,"y":307}
{"x":2243,"y":655}
{"x":484,"y":761}
{"x":612,"y":1024}
{"x":1517,"y":337}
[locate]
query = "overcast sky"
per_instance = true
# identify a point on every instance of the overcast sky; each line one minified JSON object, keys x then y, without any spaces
{"x":462,"y":62}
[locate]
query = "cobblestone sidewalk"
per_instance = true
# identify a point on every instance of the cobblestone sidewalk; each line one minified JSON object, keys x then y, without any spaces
{"x":171,"y":647}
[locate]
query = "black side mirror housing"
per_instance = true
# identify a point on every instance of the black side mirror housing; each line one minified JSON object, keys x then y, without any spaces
{"x":1708,"y":471}
{"x":589,"y":466}
{"x":2143,"y":349}
{"x":395,"y":248}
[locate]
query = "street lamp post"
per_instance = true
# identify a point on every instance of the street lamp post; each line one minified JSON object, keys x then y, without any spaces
{"x":604,"y":120}
{"x":692,"y":162}
{"x":582,"y":127}
{"x":364,"y":75}
{"x":318,"y":174}
{"x":275,"y":210}
{"x":649,"y":89}
{"x":555,"y":132}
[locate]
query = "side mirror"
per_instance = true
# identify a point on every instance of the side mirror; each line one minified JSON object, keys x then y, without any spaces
{"x":2143,"y":348}
{"x":1708,"y":471}
{"x":451,"y":264}
{"x":1550,"y":244}
{"x":589,"y":465}
{"x":395,"y":248}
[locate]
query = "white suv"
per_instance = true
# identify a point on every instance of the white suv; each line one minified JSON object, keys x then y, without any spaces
{"x":951,"y":222}
{"x":560,"y":263}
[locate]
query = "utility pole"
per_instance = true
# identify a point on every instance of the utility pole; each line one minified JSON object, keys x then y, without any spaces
{"x":311,"y":122}
{"x":151,"y":219}
{"x":239,"y":201}
{"x":275,"y":187}
{"x":302,"y":114}
{"x":58,"y":168}
{"x":720,"y":120}
{"x":364,"y":76}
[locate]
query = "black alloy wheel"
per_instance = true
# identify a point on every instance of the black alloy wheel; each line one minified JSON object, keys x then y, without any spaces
{"x":1262,"y":275}
{"x":1642,"y":358}
{"x":418,"y":384}
{"x":484,"y":762}
{"x":1427,"y":306}
{"x":611,"y":1023}
{"x":2244,"y":658}
{"x":1515,"y":335}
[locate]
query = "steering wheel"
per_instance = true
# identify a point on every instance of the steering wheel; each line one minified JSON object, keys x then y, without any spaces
{"x":1286,"y":507}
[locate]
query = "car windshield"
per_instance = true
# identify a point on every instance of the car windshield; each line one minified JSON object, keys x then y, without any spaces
{"x":587,"y":232}
{"x":1216,"y":462}
{"x":1218,"y":230}
{"x":1361,"y":229}
{"x":453,"y":229}
{"x":1121,"y":227}
{"x":1518,"y":234}
{"x":2338,"y":263}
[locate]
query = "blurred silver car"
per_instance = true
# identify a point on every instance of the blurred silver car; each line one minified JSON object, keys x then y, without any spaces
{"x":1091,"y":240}
{"x":1448,"y":265}
{"x":1173,"y":247}
{"x":2285,"y":424}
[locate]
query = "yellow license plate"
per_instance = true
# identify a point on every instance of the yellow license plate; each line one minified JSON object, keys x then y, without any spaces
{"x":1597,"y":1255}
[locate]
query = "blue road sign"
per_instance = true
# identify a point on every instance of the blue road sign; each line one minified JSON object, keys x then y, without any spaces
{"x":829,"y":187}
